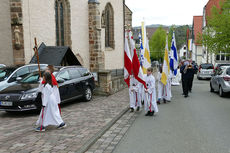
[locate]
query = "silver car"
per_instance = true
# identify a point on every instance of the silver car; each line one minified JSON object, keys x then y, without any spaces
{"x":9,"y":75}
{"x":220,"y":81}
{"x":2,"y":65}
{"x":205,"y":71}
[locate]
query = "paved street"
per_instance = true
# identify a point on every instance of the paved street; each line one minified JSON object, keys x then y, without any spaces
{"x":198,"y":124}
{"x":84,"y":120}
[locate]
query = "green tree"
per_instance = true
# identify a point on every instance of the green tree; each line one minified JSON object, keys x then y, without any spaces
{"x":216,"y":35}
{"x":157,"y":44}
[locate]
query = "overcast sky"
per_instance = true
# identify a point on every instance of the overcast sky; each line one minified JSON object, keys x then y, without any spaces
{"x":165,"y":12}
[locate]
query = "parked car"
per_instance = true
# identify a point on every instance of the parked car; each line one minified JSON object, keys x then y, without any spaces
{"x":218,"y":65}
{"x":9,"y":75}
{"x":220,"y":81}
{"x":205,"y":71}
{"x":74,"y":82}
{"x":2,"y":65}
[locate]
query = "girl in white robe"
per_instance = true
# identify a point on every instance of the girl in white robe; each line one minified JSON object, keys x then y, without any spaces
{"x":135,"y":101}
{"x":50,"y":114}
{"x":150,"y":94}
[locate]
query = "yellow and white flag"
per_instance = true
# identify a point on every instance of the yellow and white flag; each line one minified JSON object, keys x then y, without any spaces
{"x":145,"y":52}
{"x":166,"y":68}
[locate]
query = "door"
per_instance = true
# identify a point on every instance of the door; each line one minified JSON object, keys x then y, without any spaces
{"x":64,"y":87}
{"x":76,"y":82}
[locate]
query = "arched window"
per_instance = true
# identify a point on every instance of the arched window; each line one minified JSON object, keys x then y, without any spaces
{"x":109,"y":26}
{"x":62,"y":18}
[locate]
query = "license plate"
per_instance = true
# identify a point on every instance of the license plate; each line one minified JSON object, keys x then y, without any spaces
{"x":6,"y":103}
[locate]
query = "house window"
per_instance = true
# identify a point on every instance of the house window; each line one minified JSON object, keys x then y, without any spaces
{"x":62,"y":18}
{"x":109,"y":26}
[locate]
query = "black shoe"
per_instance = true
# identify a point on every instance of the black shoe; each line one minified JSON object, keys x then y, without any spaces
{"x":131,"y":110}
{"x":164,"y":101}
{"x":148,"y":113}
{"x":151,"y":113}
{"x":138,"y":108}
{"x":185,"y":96}
{"x":40,"y":129}
{"x":158,"y":102}
{"x":62,"y":126}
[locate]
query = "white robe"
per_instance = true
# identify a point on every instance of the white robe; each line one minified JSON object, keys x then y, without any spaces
{"x":176,"y":79}
{"x":135,"y":99}
{"x":51,"y":114}
{"x":160,"y":87}
{"x":150,"y":95}
{"x":167,"y":92}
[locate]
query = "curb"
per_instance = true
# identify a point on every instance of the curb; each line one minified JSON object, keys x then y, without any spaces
{"x":92,"y":140}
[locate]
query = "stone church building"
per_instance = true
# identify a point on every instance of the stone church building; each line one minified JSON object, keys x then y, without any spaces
{"x":93,"y":29}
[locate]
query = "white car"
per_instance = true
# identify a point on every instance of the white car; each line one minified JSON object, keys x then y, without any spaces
{"x":9,"y":75}
{"x":205,"y":71}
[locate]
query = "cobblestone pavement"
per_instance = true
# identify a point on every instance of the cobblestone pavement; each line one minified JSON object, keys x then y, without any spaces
{"x":84,"y":120}
{"x":108,"y":142}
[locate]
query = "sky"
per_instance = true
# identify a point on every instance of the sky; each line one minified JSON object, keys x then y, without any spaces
{"x":165,"y":12}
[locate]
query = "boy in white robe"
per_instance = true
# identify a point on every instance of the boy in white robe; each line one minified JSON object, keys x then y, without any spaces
{"x":150,"y":94}
{"x":50,"y":114}
{"x":135,"y":101}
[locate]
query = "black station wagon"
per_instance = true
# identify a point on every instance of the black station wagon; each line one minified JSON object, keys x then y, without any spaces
{"x":73,"y":81}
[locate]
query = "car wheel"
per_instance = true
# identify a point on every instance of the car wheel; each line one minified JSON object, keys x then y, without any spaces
{"x":211,"y":88}
{"x":198,"y":78}
{"x":88,"y":94}
{"x":221,"y":93}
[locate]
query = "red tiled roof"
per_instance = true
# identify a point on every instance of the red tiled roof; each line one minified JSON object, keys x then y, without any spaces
{"x":209,"y":6}
{"x":197,"y":27}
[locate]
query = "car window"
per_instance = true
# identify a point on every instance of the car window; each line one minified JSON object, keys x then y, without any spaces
{"x":22,"y":72}
{"x":31,"y":78}
{"x":74,"y":73}
{"x":5,"y":73}
{"x":84,"y":71}
{"x":228,"y":71}
{"x":64,"y":75}
{"x":33,"y":68}
{"x":207,"y":66}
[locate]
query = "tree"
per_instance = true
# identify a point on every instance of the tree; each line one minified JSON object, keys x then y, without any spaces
{"x":157,"y":44}
{"x":216,"y":36}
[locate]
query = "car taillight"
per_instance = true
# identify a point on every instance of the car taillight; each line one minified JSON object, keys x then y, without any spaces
{"x":226,"y":78}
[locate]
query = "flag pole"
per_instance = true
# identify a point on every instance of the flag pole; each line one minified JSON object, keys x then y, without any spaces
{"x":36,"y":54}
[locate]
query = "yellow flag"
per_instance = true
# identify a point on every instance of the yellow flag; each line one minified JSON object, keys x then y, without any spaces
{"x":166,"y":68}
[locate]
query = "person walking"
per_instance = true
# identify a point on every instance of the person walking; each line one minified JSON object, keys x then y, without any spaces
{"x":187,"y":72}
{"x":50,"y":114}
{"x":135,"y":99}
{"x":150,"y":94}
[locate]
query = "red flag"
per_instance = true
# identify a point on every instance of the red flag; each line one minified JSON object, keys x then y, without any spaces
{"x":127,"y":62}
{"x":136,"y":67}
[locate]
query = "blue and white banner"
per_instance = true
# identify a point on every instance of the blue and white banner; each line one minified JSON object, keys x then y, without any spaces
{"x":141,"y":57}
{"x":173,"y":56}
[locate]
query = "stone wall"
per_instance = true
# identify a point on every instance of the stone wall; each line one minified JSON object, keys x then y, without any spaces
{"x":6,"y":50}
{"x":96,"y":55}
{"x":128,"y":16}
{"x":17,"y":31}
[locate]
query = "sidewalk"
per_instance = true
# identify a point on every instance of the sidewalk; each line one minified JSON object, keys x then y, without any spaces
{"x":84,"y":120}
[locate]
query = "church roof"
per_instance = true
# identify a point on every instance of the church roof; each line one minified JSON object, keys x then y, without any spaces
{"x":55,"y":55}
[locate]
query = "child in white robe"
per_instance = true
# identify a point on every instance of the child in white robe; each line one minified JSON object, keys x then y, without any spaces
{"x":150,"y":94}
{"x":135,"y":101}
{"x":50,"y":114}
{"x":167,"y":91}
